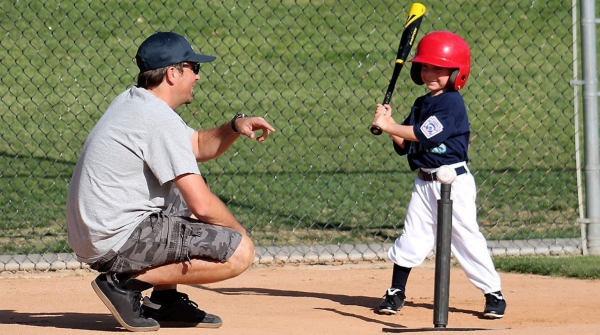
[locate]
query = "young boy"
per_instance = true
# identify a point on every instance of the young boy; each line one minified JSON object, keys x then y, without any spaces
{"x":436,"y":133}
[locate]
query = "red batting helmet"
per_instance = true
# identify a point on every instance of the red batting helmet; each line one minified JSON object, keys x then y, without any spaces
{"x":443,"y":49}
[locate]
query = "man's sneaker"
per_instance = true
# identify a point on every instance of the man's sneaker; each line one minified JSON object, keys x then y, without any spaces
{"x":182,"y":312}
{"x":123,"y":299}
{"x":495,"y":305}
{"x":392,"y":301}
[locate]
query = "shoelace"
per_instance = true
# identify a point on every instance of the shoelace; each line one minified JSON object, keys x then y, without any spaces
{"x":492,"y":301}
{"x":394,"y":292}
{"x":137,"y":306}
{"x":137,"y":296}
{"x":187,"y":300}
{"x":496,"y":296}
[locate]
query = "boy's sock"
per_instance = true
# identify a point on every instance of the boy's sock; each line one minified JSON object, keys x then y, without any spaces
{"x":400,"y":277}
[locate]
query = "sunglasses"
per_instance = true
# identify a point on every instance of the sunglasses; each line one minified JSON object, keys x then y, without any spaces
{"x":194,"y":66}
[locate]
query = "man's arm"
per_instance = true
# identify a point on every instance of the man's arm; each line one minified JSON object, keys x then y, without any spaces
{"x":211,"y":143}
{"x":204,"y":204}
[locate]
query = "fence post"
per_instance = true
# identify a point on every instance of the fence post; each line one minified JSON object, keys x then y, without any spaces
{"x":590,"y":107}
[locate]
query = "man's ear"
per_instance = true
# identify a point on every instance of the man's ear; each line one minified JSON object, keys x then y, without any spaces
{"x":170,"y":75}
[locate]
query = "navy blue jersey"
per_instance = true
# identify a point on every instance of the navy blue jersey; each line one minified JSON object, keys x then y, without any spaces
{"x":442,"y":127}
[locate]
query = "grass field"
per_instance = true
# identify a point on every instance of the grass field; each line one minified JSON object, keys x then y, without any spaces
{"x":315,"y":70}
{"x":580,"y":267}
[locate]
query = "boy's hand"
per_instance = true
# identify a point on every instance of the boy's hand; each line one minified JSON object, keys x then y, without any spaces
{"x":383,"y":117}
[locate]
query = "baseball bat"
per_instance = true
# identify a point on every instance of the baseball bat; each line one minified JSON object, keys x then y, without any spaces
{"x":411,"y":28}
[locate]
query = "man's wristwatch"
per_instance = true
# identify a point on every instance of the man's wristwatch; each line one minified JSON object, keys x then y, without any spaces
{"x":237,"y":116}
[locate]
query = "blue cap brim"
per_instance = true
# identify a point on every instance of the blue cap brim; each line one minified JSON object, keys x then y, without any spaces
{"x":197,"y":58}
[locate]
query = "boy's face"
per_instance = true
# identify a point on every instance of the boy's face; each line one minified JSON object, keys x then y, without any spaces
{"x":436,"y":78}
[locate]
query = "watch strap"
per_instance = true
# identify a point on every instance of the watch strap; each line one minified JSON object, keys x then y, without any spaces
{"x":237,"y":116}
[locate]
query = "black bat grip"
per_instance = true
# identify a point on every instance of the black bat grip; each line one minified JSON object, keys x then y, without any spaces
{"x":375,"y":130}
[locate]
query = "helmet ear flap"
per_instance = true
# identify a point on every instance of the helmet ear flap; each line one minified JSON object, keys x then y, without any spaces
{"x":452,"y":79}
{"x":415,"y":73}
{"x":458,"y":78}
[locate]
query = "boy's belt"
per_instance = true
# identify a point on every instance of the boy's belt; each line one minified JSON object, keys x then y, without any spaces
{"x":431,"y":176}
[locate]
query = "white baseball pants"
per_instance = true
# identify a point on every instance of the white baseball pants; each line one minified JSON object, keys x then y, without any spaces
{"x":468,"y":245}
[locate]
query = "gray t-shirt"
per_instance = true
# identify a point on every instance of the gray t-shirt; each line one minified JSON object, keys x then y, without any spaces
{"x":125,"y":172}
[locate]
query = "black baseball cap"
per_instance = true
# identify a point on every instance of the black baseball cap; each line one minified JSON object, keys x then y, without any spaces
{"x":164,"y":49}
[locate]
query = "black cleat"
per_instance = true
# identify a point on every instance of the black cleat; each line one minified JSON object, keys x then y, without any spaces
{"x":123,"y":299}
{"x":495,"y":305}
{"x":181,"y":312}
{"x":392,"y":301}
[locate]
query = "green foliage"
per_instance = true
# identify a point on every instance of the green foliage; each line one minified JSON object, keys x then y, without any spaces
{"x":315,"y":70}
{"x":581,"y":267}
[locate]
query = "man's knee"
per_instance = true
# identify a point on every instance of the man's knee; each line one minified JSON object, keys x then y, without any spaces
{"x":243,"y":256}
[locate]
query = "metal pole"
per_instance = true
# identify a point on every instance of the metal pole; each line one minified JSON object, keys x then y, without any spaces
{"x":577,"y":127}
{"x":442,"y":259}
{"x":590,"y":107}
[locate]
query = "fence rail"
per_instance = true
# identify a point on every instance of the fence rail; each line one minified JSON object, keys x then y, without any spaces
{"x":317,"y":254}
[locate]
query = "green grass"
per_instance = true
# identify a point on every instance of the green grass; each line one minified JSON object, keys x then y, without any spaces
{"x":315,"y":70}
{"x":580,"y":267}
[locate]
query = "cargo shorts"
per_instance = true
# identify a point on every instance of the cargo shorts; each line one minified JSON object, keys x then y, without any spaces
{"x":164,"y":239}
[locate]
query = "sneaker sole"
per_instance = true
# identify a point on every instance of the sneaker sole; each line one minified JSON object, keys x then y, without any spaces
{"x":169,"y":324}
{"x":493,"y":316}
{"x":390,"y":311}
{"x":387,"y":312}
{"x":116,"y":314}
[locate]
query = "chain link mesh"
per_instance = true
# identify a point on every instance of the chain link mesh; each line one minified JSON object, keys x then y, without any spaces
{"x":315,"y":70}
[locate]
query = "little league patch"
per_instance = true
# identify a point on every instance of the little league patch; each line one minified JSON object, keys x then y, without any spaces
{"x":431,"y":127}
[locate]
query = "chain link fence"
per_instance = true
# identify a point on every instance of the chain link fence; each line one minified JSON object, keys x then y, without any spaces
{"x":322,"y":187}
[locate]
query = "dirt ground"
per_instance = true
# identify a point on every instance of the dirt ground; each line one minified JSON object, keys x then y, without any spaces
{"x":311,"y":299}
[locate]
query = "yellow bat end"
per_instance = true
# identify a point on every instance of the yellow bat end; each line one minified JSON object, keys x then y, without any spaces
{"x":416,"y":11}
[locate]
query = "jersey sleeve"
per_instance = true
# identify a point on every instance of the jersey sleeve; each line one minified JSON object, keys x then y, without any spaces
{"x":399,"y":150}
{"x":168,"y":151}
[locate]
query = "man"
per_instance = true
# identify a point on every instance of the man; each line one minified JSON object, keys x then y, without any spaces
{"x":138,"y":209}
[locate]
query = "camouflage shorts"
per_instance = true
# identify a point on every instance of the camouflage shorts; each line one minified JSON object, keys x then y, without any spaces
{"x":164,"y":239}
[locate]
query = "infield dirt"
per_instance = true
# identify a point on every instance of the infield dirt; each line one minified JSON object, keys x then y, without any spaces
{"x":310,"y":299}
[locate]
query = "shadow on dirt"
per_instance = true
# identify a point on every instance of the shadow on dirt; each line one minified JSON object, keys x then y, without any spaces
{"x":348,"y":300}
{"x":83,"y":321}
